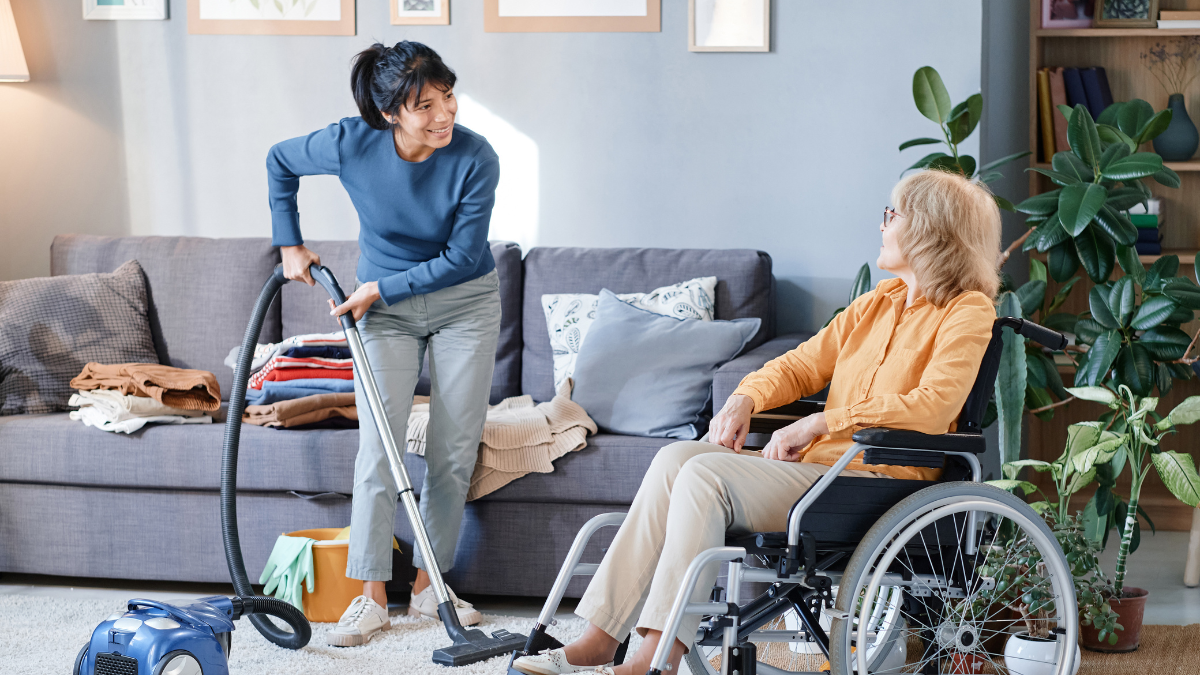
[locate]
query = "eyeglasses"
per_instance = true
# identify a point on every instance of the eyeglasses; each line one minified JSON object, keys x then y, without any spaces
{"x":889,"y":214}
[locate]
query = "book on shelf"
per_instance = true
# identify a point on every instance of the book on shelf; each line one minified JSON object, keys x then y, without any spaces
{"x":1177,"y":25}
{"x":1047,"y":119}
{"x":1095,"y":86}
{"x":1152,"y":205}
{"x":1149,"y":235}
{"x":1144,"y":220}
{"x":1148,"y":248}
{"x":1178,"y":15}
{"x":1074,"y":85}
{"x":1058,"y":96}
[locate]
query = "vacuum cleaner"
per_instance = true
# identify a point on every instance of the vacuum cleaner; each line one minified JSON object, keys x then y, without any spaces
{"x":156,"y":638}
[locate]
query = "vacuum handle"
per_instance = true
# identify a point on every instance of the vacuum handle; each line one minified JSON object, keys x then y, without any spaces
{"x":175,"y":612}
{"x":324,"y":276}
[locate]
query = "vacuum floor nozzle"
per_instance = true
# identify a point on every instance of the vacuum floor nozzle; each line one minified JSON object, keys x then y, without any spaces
{"x":479,"y":647}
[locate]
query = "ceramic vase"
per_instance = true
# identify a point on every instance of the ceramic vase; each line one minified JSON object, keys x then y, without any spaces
{"x":1179,"y":142}
{"x":1024,"y":655}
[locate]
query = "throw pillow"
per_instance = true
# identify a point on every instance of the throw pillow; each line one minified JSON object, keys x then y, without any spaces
{"x":570,"y":315}
{"x":645,"y":374}
{"x":51,"y":326}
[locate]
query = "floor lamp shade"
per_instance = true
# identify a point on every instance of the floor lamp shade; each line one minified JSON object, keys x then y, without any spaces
{"x":12,"y":58}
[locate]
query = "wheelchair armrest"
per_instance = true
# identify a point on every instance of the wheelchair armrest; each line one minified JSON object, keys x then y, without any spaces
{"x":765,"y":423}
{"x":903,"y":439}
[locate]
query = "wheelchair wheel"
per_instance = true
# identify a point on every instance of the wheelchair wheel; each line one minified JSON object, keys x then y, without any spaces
{"x":957,"y":558}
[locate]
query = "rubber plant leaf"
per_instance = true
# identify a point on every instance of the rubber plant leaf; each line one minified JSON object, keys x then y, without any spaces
{"x":1165,"y":343}
{"x":1078,"y":204}
{"x":1111,"y":134}
{"x":1167,"y":177}
{"x":1055,"y":176}
{"x":1154,"y":126}
{"x":1096,"y":252}
{"x":1062,"y":261}
{"x":919,"y":141}
{"x":1100,"y":358}
{"x":1004,"y":160}
{"x":930,"y":95}
{"x":1137,"y":165}
{"x":1133,"y":115}
{"x":1069,"y":164}
{"x":1031,"y":295}
{"x":862,"y":282}
{"x":1154,"y":310}
{"x":1042,"y":204}
{"x":1122,"y":300}
{"x":1082,"y":135}
{"x":1183,"y":291}
{"x":1102,"y":313}
{"x":1127,"y":257}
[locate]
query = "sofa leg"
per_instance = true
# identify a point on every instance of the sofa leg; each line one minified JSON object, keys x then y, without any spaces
{"x":1191,"y":571}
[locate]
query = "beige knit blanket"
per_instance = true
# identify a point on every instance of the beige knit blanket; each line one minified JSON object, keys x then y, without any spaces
{"x":519,"y":437}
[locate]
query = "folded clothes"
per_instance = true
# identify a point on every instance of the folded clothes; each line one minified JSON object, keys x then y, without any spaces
{"x":302,"y":364}
{"x":174,"y":387}
{"x":324,"y":352}
{"x":94,"y":417}
{"x":302,"y":411}
{"x":273,"y":392}
{"x":117,"y":407}
{"x":265,"y":352}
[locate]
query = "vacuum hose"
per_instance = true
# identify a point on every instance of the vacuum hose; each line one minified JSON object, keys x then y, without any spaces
{"x":253,"y":605}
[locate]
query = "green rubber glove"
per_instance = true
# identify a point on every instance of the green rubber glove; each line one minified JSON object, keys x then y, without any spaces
{"x":289,"y":565}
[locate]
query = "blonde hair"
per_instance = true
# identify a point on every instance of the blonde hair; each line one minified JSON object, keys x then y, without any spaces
{"x":951,"y":235}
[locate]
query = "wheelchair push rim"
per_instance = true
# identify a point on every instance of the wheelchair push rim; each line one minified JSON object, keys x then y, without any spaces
{"x":950,"y":548}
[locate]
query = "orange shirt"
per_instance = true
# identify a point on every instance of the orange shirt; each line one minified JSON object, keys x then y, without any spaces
{"x":886,"y":366}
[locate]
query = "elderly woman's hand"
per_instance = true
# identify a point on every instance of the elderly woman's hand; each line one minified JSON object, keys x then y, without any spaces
{"x":730,"y":426}
{"x":787,"y":443}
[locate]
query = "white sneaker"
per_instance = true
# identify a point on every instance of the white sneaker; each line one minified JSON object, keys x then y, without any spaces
{"x":361,"y":621}
{"x":550,"y":662}
{"x":425,"y":604}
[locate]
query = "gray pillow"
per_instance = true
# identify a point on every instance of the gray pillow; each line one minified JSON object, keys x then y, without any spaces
{"x":51,"y":326}
{"x":645,"y":374}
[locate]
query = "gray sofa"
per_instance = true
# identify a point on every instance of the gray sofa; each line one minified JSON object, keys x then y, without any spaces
{"x":79,"y":502}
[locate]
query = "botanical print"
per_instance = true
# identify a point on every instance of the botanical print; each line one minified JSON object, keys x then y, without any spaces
{"x":286,"y":10}
{"x":535,"y":8}
{"x":1127,"y":9}
{"x":418,"y":6}
{"x":569,"y":316}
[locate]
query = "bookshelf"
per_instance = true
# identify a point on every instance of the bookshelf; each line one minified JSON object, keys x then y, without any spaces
{"x":1119,"y":52}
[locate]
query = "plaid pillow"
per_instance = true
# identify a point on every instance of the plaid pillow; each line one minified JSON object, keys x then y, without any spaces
{"x":51,"y":326}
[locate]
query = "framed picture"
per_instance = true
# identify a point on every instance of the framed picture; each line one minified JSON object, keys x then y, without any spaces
{"x":729,"y":25}
{"x":420,"y":12}
{"x":1068,"y":13}
{"x":270,"y":17}
{"x":111,"y":10}
{"x":1126,"y":14}
{"x":572,"y":16}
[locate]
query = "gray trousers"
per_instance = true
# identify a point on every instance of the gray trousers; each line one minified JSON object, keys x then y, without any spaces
{"x":460,"y":327}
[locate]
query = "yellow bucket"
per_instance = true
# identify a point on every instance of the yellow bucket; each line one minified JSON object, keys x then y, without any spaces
{"x":333,"y":591}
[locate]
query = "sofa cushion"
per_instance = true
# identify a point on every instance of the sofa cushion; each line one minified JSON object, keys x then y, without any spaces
{"x":745,"y":290}
{"x":305,"y":309}
{"x":53,"y":449}
{"x":51,"y":327}
{"x":201,"y":291}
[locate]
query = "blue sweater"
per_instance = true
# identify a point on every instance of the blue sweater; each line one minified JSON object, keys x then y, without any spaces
{"x":423,"y":226}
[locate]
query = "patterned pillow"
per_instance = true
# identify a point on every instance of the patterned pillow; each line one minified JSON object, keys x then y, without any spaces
{"x":570,"y":315}
{"x":50,"y":327}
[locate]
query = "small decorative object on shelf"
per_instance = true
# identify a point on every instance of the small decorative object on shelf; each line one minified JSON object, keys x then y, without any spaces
{"x":124,"y":9}
{"x":1174,"y":66}
{"x":1126,"y":14}
{"x":1179,"y":20}
{"x":420,"y":12}
{"x":1067,"y":13}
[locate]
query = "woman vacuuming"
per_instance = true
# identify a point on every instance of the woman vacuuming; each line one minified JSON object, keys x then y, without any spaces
{"x":424,"y":189}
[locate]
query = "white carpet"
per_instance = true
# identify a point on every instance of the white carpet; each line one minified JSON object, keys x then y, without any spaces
{"x":43,"y":635}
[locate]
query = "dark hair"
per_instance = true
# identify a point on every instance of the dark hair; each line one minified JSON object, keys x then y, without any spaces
{"x":385,"y":78}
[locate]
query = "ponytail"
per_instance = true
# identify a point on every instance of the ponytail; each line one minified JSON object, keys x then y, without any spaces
{"x":385,"y":78}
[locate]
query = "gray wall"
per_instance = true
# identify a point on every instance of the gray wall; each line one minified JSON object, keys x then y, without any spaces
{"x":605,"y":139}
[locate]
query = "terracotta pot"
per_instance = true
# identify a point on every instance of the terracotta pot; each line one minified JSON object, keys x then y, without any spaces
{"x":967,"y":663}
{"x":1130,"y":609}
{"x":1024,"y":655}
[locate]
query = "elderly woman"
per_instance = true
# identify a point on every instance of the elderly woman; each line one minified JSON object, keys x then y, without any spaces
{"x":902,"y":356}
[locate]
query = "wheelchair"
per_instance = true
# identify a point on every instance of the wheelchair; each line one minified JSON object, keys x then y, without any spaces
{"x":876,"y":575}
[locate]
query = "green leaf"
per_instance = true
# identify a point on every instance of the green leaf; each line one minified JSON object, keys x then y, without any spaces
{"x":1082,"y":135}
{"x":964,"y":117}
{"x":1135,"y":369}
{"x":1133,"y":115}
{"x":1051,"y":234}
{"x":1010,"y":382}
{"x":1035,"y":375}
{"x":1062,"y":261}
{"x":1187,"y":412}
{"x":1096,"y":252}
{"x":1154,"y":310}
{"x":1182,"y":291}
{"x":1108,"y":116}
{"x":1097,"y":394}
{"x":1063,"y":322}
{"x":1037,"y":270}
{"x":1124,"y":198}
{"x":1100,"y":359}
{"x":1154,"y":126}
{"x":946,"y":163}
{"x":1003,"y":203}
{"x":1084,"y":460}
{"x":1004,"y":160}
{"x":1137,"y":165}
{"x":1013,"y":485}
{"x":1167,"y":177}
{"x":1061,"y":296}
{"x":862,"y":282}
{"x":1056,"y":177}
{"x":1180,"y":316}
{"x":1117,"y":227}
{"x":1102,"y":313}
{"x":1164,"y":268}
{"x":1112,"y":153}
{"x":1122,"y":300}
{"x":1178,"y":472}
{"x":1014,"y":467}
{"x":989,"y":177}
{"x":930,"y":95}
{"x":1031,"y":295}
{"x":1068,"y":164}
{"x":1042,"y":204}
{"x":1053,"y":379}
{"x":1111,"y":134}
{"x":925,"y":161}
{"x":1165,"y":343}
{"x":1087,"y":330}
{"x":1080,"y":437}
{"x":1127,"y":256}
{"x":1163,"y":379}
{"x":1078,"y":204}
{"x":967,"y":164}
{"x":919,"y":141}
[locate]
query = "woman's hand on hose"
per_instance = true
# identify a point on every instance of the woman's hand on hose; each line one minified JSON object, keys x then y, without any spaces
{"x":296,"y":260}
{"x":730,"y":426}
{"x":359,"y":301}
{"x":787,"y":443}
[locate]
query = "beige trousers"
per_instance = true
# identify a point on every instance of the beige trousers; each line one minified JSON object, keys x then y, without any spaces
{"x":692,"y":495}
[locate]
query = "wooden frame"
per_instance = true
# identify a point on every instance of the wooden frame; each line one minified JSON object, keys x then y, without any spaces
{"x":442,"y":18}
{"x":1151,"y":20}
{"x":151,"y":10}
{"x":494,"y":23}
{"x":198,"y":26}
{"x":766,"y":40}
{"x":1060,"y":24}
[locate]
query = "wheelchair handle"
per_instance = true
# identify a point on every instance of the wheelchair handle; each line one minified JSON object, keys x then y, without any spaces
{"x":1053,"y":339}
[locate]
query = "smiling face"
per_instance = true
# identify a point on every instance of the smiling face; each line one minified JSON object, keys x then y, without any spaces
{"x":427,"y":122}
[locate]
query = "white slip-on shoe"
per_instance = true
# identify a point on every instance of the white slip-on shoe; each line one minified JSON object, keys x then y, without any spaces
{"x":425,"y":604}
{"x":359,"y":623}
{"x":550,"y":662}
